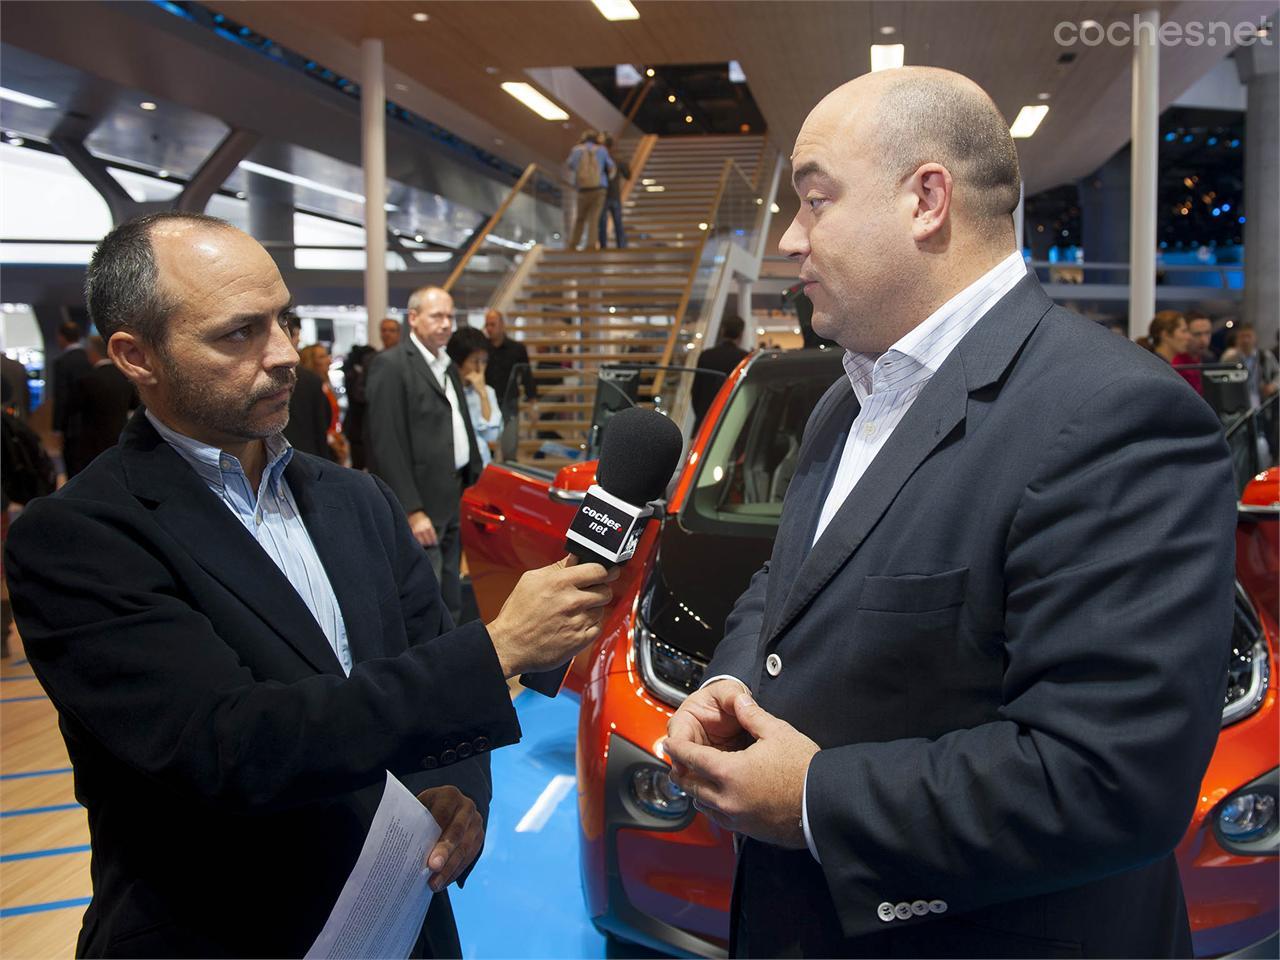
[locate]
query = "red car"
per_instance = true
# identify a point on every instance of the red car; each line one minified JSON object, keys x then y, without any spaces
{"x":657,"y":873}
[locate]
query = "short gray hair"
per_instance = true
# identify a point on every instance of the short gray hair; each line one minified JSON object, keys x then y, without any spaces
{"x":927,"y":117}
{"x":121,"y":286}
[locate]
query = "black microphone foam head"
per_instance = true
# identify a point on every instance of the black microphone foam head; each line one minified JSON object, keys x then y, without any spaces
{"x":638,"y":455}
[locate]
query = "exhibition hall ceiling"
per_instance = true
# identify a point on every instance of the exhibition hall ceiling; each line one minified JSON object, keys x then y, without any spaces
{"x":792,"y":52}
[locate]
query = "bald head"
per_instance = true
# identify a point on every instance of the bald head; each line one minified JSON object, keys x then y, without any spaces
{"x":916,"y":115}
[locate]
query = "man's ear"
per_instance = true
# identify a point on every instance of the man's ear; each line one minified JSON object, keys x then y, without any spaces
{"x":931,"y":186}
{"x":136,"y":359}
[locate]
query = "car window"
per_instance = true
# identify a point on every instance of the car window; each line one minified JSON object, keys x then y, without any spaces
{"x":753,"y":454}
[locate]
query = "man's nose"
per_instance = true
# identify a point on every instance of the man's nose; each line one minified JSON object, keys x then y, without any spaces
{"x":795,"y":242}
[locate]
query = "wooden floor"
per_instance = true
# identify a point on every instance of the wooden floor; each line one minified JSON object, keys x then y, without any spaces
{"x":44,"y":839}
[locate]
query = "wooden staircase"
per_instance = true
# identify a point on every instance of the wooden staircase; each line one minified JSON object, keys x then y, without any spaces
{"x":580,"y":309}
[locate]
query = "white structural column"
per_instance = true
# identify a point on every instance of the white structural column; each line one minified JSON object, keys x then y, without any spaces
{"x":373,"y":151}
{"x":1259,"y":69}
{"x":1145,"y":132}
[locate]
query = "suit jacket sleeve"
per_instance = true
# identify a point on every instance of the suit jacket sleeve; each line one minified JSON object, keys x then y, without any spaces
{"x":119,"y":648}
{"x":1118,"y":591}
{"x":390,"y":443}
{"x":526,"y":374}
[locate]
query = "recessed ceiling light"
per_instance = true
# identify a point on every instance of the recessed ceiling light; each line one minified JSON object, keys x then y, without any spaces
{"x":688,"y":119}
{"x":422,"y":17}
{"x":617,"y":9}
{"x":147,"y":105}
{"x":26,"y":99}
{"x":887,"y":56}
{"x":1043,"y":96}
{"x":774,"y":208}
{"x":671,"y":98}
{"x":649,"y":72}
{"x":534,"y":99}
{"x":162,"y":174}
{"x":702,"y":226}
{"x":499,"y":141}
{"x":888,"y":31}
{"x":1027,"y":121}
{"x":491,"y":71}
{"x":401,"y":86}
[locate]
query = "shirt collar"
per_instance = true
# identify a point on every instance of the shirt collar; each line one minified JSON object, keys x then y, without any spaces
{"x":213,"y":465}
{"x":438,"y":361}
{"x":923,"y":349}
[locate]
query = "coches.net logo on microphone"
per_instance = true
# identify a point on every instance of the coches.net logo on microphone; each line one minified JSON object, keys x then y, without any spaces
{"x":1135,"y":31}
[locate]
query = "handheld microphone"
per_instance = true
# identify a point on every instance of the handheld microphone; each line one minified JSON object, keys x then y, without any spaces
{"x":638,"y":455}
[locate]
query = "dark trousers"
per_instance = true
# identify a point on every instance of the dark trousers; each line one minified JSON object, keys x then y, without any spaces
{"x":612,"y":207}
{"x":446,"y":562}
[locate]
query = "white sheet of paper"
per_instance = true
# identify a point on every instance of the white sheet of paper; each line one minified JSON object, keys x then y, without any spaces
{"x":382,"y":905}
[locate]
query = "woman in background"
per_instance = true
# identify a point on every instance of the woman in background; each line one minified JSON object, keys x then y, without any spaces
{"x":468,"y":348}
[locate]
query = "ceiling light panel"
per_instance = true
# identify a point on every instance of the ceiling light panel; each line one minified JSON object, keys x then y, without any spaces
{"x":1027,"y":121}
{"x":533,"y":99}
{"x":617,"y":9}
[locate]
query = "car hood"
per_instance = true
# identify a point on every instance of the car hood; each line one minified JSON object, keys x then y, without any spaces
{"x":696,"y":579}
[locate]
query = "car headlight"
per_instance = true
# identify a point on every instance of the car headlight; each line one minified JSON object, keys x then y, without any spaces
{"x":653,"y":791}
{"x":671,"y":674}
{"x":1249,"y":668}
{"x":1246,"y":822}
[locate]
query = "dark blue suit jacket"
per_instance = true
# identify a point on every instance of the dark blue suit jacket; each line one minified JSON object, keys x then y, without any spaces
{"x":229,"y":768}
{"x":1010,"y":644}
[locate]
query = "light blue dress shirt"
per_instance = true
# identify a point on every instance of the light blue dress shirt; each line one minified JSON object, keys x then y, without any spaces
{"x":271,"y":517}
{"x":487,"y":431}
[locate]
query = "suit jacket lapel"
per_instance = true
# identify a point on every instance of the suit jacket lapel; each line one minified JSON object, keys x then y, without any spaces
{"x":218,"y":542}
{"x":418,"y":364}
{"x":473,"y":445}
{"x":323,"y":508}
{"x":978,"y":361}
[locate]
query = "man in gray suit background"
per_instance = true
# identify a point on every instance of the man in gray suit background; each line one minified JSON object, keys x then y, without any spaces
{"x":420,"y":439}
{"x":965,"y":708}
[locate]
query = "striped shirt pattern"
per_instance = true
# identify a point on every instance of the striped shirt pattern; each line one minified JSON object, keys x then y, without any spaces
{"x":887,"y":384}
{"x":271,"y":517}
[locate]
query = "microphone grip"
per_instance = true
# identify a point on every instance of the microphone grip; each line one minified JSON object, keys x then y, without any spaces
{"x":549,"y":682}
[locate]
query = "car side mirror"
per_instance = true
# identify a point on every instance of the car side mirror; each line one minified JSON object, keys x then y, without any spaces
{"x":571,"y":483}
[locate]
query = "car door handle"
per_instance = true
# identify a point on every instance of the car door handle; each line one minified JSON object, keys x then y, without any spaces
{"x":487,"y":518}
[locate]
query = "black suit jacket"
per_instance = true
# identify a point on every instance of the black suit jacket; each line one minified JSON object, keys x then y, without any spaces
{"x":1010,"y":645}
{"x":409,"y":431}
{"x":309,"y":415}
{"x":229,"y":768}
{"x":72,"y":364}
{"x":100,"y":405}
{"x":724,"y":357}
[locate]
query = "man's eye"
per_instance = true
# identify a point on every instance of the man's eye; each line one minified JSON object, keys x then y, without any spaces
{"x":240,"y":334}
{"x":814,"y":201}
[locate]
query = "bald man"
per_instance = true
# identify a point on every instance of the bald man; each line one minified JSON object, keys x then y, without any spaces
{"x":965,"y":708}
{"x":420,"y":438}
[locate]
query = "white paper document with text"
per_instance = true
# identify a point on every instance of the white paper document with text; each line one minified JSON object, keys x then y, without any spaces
{"x":382,"y":905}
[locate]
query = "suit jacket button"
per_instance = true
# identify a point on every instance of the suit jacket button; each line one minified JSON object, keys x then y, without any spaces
{"x":464,"y":750}
{"x":773,"y":664}
{"x":448,"y":757}
{"x":481,"y":744}
{"x":902,"y":911}
{"x":937,"y":906}
{"x":430,"y":763}
{"x":920,"y":907}
{"x":885,"y":911}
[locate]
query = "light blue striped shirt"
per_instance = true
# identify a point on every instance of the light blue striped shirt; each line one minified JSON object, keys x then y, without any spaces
{"x":887,"y":384}
{"x":271,"y":517}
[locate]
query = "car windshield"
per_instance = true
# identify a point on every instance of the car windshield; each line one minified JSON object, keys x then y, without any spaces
{"x":752,"y":457}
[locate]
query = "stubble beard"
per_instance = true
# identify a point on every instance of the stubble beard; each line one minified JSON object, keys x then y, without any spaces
{"x":226,"y":413}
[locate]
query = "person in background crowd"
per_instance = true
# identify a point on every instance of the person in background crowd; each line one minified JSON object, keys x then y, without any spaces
{"x":317,"y":359}
{"x":1200,"y":328}
{"x":309,"y":413}
{"x":389,"y":332}
{"x":613,"y":198}
{"x":724,"y":357}
{"x":355,"y":376}
{"x":507,"y":359}
{"x":17,"y":389}
{"x":72,"y":364}
{"x":101,"y":402}
{"x":1168,"y":338}
{"x":469,"y":350}
{"x":590,"y":166}
{"x":420,"y":439}
{"x":1263,"y":383}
